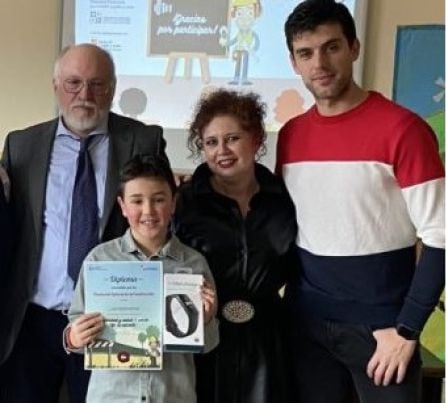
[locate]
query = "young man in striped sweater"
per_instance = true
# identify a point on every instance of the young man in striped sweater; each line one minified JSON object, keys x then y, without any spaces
{"x":368,"y":183}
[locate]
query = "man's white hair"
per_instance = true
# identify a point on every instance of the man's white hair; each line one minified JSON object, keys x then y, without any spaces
{"x":99,"y":50}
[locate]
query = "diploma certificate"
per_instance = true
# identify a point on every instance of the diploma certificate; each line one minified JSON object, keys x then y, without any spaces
{"x":130,"y":297}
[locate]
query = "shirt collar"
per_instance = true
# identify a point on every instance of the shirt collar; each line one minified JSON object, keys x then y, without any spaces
{"x":62,"y":130}
{"x":172,"y":248}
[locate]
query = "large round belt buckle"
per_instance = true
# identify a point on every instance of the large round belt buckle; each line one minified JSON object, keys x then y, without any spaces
{"x":238,"y":311}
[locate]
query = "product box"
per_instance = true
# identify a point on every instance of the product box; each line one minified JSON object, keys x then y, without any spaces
{"x":183,"y":313}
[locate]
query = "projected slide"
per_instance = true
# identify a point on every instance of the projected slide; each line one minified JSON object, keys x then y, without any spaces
{"x":169,"y":52}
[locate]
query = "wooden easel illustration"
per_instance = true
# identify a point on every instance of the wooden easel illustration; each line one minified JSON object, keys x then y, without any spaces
{"x":188,"y":57}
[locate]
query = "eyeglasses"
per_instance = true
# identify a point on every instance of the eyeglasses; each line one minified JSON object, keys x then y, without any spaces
{"x":75,"y":85}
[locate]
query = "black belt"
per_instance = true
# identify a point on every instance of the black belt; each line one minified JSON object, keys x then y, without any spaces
{"x":33,"y":307}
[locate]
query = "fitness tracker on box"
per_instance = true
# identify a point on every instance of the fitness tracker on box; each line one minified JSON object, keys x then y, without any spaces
{"x":190,"y":310}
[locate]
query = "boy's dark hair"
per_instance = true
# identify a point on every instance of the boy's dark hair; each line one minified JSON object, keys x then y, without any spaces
{"x":147,"y":166}
{"x":309,"y":14}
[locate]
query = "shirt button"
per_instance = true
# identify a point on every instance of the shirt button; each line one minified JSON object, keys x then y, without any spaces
{"x":143,"y":399}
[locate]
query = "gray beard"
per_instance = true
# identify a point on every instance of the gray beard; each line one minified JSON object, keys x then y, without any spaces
{"x":84,"y":125}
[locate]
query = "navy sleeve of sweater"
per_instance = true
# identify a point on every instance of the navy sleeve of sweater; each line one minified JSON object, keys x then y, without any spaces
{"x":427,"y":285}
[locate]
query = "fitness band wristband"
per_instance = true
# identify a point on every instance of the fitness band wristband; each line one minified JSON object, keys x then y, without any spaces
{"x":189,"y":308}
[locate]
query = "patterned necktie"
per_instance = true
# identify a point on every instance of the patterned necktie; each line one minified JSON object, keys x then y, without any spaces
{"x":84,"y":226}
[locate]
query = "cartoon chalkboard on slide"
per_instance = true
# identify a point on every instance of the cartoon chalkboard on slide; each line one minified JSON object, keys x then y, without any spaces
{"x":169,"y":53}
{"x":187,"y":29}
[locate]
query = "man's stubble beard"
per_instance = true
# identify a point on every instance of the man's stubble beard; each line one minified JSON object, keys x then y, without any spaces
{"x":335,"y":92}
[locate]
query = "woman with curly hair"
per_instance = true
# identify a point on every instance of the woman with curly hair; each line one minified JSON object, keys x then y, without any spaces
{"x":241,"y":218}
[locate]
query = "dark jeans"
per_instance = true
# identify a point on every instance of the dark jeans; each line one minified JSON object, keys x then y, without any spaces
{"x":35,"y":371}
{"x":331,"y":360}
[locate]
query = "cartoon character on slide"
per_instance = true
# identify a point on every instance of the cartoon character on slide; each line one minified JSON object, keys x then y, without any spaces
{"x":246,"y":42}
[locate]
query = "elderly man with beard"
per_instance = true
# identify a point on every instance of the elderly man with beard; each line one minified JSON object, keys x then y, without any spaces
{"x":64,"y":176}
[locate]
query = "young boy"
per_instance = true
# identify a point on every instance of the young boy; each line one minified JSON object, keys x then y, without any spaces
{"x":147,"y":200}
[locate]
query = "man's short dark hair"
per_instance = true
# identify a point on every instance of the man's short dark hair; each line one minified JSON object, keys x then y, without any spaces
{"x":147,"y":166}
{"x":309,"y":14}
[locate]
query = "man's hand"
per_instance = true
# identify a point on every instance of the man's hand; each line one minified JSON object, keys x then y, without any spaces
{"x":85,"y":329}
{"x":6,"y":184}
{"x":391,"y":357}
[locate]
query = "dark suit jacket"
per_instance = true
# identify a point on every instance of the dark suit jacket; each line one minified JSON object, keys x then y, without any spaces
{"x":26,"y":156}
{"x":6,"y":235}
